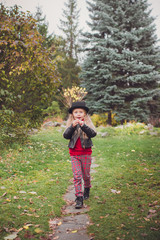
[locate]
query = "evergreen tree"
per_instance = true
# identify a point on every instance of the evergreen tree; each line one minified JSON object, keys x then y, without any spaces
{"x":120,"y":70}
{"x":69,"y":71}
{"x":68,"y":67}
{"x":69,"y":26}
{"x":43,"y":28}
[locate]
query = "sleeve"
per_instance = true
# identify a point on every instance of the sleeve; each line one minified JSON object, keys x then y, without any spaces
{"x":89,"y":131}
{"x":69,"y":132}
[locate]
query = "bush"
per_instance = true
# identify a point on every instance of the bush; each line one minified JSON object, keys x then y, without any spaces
{"x":102,"y":119}
{"x":54,"y":109}
{"x":28,"y":75}
{"x":131,"y":128}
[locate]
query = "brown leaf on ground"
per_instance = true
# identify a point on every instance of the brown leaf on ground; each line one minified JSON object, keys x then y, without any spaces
{"x":152,"y":211}
{"x":154,"y":229}
{"x":130,"y":208}
{"x":144,"y":234}
{"x":4,"y":194}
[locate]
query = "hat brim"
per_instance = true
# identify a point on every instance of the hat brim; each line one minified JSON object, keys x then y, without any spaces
{"x":72,"y":108}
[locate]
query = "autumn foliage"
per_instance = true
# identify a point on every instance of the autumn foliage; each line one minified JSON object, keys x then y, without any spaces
{"x":72,"y":95}
{"x":28,"y":76}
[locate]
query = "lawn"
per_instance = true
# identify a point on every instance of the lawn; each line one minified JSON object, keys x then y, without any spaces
{"x":125,"y":197}
{"x":33,"y":179}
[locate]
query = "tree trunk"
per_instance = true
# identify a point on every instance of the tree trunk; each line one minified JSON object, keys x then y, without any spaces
{"x":109,"y":118}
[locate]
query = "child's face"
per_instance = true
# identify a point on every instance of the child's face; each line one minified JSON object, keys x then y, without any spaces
{"x":79,"y":113}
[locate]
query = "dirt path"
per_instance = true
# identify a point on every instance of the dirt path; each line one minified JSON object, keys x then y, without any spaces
{"x":73,"y":224}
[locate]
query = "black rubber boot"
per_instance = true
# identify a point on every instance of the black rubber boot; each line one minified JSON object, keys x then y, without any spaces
{"x":79,"y":202}
{"x":86,"y":193}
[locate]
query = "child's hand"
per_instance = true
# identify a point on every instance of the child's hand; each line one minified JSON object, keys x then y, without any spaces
{"x":81,"y":123}
{"x":75,"y":122}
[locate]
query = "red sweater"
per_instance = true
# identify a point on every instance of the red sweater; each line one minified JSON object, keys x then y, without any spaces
{"x":78,"y":150}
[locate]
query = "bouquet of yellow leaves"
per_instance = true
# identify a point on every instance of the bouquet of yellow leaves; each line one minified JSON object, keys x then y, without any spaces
{"x":73,"y":94}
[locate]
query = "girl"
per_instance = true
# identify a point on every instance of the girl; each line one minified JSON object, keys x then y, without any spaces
{"x":80,"y":130}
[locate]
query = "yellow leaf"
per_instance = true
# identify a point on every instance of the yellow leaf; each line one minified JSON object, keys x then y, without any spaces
{"x":38,"y":230}
{"x":74,"y":231}
{"x":59,"y":223}
{"x":25,"y":227}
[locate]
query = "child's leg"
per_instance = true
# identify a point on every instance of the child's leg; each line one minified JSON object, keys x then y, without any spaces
{"x":77,"y":174}
{"x":86,"y":165}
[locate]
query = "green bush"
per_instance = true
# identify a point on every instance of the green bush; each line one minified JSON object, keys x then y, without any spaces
{"x":28,"y":75}
{"x":54,"y":109}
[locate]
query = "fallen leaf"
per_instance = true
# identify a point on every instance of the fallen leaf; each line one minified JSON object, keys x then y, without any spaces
{"x":20,"y":229}
{"x":74,"y":231}
{"x":8,"y":200}
{"x":152,"y":211}
{"x":59,"y":223}
{"x":22,"y":192}
{"x":96,"y":197}
{"x":144,"y":234}
{"x":11,"y":236}
{"x":26,"y":227}
{"x":115,"y":191}
{"x":38,"y":230}
{"x":15,"y":197}
{"x":130,"y":208}
{"x":34,"y":193}
{"x":146,"y":169}
{"x":146,"y":219}
{"x":4,"y":194}
{"x":154,"y":229}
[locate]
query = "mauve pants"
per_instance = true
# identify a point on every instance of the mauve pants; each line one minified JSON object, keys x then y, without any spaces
{"x":81,"y":165}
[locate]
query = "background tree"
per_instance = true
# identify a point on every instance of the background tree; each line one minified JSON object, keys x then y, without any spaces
{"x":43,"y":28}
{"x":69,"y":26}
{"x":28,"y":75}
{"x":120,"y":70}
{"x":69,"y":68}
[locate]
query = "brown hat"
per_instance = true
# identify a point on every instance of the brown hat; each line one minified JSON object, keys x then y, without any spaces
{"x":78,"y":105}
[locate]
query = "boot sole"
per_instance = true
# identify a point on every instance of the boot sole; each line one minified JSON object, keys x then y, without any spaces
{"x":78,"y":207}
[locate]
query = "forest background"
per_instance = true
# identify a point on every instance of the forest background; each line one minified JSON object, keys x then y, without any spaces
{"x":116,"y":63}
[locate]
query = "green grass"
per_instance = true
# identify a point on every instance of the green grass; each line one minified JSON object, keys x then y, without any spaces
{"x":131,"y":166}
{"x":33,"y":179}
{"x":35,"y":176}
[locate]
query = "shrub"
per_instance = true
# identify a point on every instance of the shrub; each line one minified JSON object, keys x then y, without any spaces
{"x":28,"y":74}
{"x":131,"y":127}
{"x":102,"y":119}
{"x":54,"y":109}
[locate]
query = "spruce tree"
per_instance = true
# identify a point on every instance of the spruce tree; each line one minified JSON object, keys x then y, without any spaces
{"x":68,"y":67}
{"x":69,"y":27}
{"x":120,"y":69}
{"x":42,"y":25}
